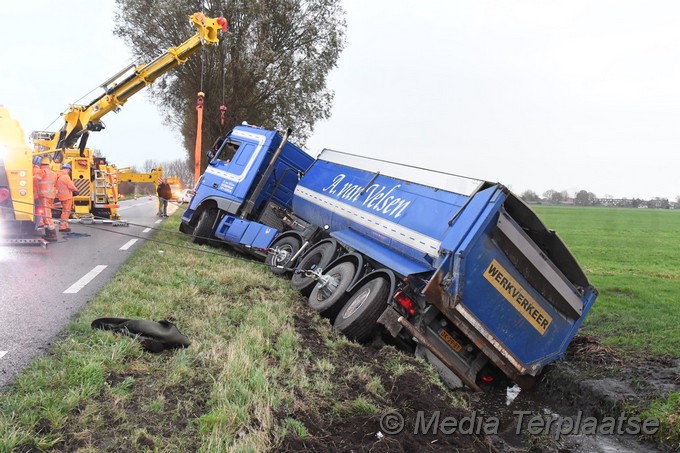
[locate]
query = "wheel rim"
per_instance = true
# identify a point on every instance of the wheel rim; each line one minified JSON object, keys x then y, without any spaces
{"x":357,"y":303}
{"x":328,"y":289}
{"x":283,"y":254}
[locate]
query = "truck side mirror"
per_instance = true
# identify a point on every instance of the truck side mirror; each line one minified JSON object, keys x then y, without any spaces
{"x":212,"y":152}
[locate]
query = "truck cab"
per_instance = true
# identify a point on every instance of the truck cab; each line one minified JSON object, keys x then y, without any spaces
{"x":459,"y":271}
{"x":246,"y":189}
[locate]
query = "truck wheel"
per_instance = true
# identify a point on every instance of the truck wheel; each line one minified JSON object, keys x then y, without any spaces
{"x":286,"y":247}
{"x":324,"y":299}
{"x":318,"y":257}
{"x":203,"y":232}
{"x":357,"y":318}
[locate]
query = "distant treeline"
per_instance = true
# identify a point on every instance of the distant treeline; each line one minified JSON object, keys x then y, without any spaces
{"x":585,"y":198}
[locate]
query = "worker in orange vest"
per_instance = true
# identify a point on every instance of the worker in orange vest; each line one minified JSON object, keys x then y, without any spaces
{"x":36,"y":200}
{"x":65,"y":192}
{"x":46,"y":179}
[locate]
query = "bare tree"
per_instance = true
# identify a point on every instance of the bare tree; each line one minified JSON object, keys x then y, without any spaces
{"x":529,"y":196}
{"x":150,"y":164}
{"x":270,"y":69}
{"x":554,"y":196}
{"x":585,"y":198}
{"x":180,"y":168}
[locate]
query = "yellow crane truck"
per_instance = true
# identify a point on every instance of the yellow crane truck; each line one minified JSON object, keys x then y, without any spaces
{"x":175,"y":186}
{"x":128,"y":175}
{"x":17,"y":221}
{"x":94,"y":177}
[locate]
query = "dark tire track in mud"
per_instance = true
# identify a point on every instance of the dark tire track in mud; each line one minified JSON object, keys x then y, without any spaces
{"x":591,"y":379}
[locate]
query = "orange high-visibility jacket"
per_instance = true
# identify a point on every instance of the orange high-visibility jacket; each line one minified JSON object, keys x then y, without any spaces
{"x":36,"y":173}
{"x":65,"y":186}
{"x":46,"y":182}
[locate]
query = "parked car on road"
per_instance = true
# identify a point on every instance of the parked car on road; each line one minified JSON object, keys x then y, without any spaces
{"x":185,"y":196}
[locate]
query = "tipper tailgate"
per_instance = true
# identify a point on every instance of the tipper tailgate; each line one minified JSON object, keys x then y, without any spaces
{"x":513,"y":288}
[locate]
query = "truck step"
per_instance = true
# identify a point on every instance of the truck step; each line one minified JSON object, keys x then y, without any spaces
{"x":24,"y":241}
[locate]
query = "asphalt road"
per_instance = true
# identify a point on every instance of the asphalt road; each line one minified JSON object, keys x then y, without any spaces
{"x":42,"y":288}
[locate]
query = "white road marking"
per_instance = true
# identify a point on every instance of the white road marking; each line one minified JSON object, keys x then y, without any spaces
{"x":146,"y":230}
{"x":128,"y":207}
{"x":87,"y":278}
{"x":2,"y":353}
{"x":128,"y":244}
{"x":158,"y":221}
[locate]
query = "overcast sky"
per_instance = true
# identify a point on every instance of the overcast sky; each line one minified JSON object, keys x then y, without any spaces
{"x":532,"y":94}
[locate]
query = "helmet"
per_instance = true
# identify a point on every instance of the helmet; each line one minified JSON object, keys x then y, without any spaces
{"x":45,"y":160}
{"x":36,"y":160}
{"x":66,"y":167}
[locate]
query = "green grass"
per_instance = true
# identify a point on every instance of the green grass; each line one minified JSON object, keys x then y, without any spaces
{"x":631,"y":256}
{"x":237,"y":387}
{"x":218,"y":394}
{"x":668,"y":412}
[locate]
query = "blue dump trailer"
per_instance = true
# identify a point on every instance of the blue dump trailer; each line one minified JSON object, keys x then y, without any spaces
{"x":459,"y":271}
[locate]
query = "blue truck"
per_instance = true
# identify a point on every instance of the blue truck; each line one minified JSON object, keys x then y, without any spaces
{"x":458,"y":271}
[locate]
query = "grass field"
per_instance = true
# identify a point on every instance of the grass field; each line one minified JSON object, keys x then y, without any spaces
{"x":255,"y":374}
{"x":631,"y":256}
{"x":238,"y":387}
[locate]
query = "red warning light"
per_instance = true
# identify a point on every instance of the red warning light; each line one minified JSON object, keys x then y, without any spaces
{"x":405,"y":302}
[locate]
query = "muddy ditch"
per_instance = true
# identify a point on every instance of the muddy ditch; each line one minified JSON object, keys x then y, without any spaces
{"x":590,"y":383}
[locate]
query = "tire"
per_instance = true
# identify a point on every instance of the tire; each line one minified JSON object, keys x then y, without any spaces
{"x":357,"y":318}
{"x":325,"y":302}
{"x":290,"y":245}
{"x":203,"y":233}
{"x":317,"y":257}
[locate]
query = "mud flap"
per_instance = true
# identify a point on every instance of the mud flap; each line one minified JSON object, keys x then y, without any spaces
{"x":447,"y":376}
{"x":390,"y":319}
{"x":453,"y":366}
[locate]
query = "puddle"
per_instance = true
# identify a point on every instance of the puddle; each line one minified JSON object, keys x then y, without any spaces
{"x":516,"y":409}
{"x":73,"y":235}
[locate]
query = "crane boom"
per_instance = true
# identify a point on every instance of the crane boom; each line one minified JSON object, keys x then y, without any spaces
{"x":94,"y":177}
{"x":80,"y":119}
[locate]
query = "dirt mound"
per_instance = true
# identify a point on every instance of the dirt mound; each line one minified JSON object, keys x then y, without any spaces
{"x":592,"y":379}
{"x":369,"y":385}
{"x":596,"y":381}
{"x":587,"y":349}
{"x":601,"y":382}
